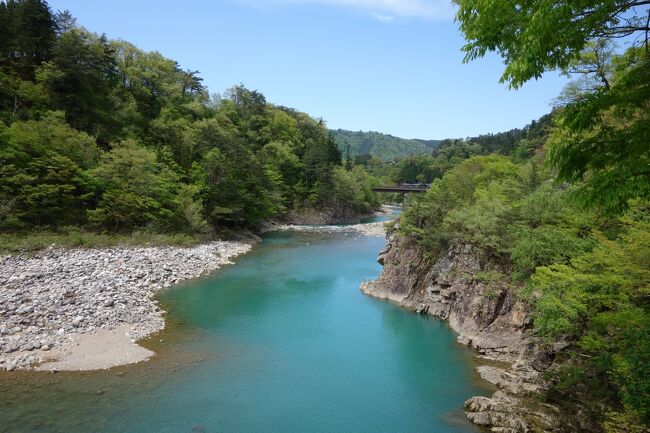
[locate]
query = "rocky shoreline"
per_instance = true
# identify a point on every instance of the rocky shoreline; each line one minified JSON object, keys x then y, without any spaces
{"x":327,"y":216}
{"x":325,"y":224}
{"x":367,"y":229}
{"x":464,"y":286}
{"x":50,"y":299}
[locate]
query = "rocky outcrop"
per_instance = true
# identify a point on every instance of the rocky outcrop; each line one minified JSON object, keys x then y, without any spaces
{"x":508,"y":412}
{"x":459,"y":287}
{"x":465,"y":286}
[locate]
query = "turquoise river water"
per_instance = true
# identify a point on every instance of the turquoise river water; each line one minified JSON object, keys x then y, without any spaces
{"x":281,"y":342}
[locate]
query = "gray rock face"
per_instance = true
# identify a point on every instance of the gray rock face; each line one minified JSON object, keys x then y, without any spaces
{"x":503,"y":412}
{"x":486,"y":315}
{"x":404,"y":273}
{"x":462,"y":286}
{"x":48,"y":297}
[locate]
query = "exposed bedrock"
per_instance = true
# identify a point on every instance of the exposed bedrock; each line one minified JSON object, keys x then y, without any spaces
{"x":465,"y":286}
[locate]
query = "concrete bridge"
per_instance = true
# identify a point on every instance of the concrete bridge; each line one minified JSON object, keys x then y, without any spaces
{"x":403,"y":188}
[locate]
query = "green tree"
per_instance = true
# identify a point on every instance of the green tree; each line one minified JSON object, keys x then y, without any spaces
{"x":542,"y":35}
{"x":238,"y":191}
{"x":41,"y":172}
{"x":134,"y":190}
{"x":601,"y":299}
{"x":88,"y":75}
{"x":603,"y":134}
{"x":352,"y":191}
{"x":184,"y":161}
{"x":65,"y":21}
{"x":279,"y":158}
{"x":27,"y":36}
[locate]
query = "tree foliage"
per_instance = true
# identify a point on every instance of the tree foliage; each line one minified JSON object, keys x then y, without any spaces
{"x":603,"y":136}
{"x":383,"y":146}
{"x":540,"y":35}
{"x":520,"y":143}
{"x":99,"y":133}
{"x":601,"y":298}
{"x":604,"y":127}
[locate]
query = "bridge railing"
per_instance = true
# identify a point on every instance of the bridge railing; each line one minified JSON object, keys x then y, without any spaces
{"x":405,"y":187}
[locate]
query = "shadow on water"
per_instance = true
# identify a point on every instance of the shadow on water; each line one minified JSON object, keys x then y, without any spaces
{"x":282,"y":341}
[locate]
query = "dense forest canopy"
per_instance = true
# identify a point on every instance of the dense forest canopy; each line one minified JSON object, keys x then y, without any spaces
{"x":518,"y":143}
{"x":385,"y":147}
{"x":98,"y":133}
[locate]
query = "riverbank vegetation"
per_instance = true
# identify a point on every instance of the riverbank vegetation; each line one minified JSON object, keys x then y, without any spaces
{"x":98,"y":135}
{"x":568,"y":207}
{"x":79,"y":237}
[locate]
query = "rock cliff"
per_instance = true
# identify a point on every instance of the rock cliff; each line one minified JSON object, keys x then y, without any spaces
{"x":465,"y":286}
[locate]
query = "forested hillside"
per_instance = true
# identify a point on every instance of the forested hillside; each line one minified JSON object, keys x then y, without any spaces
{"x":97,"y":133}
{"x":563,"y":203}
{"x":518,"y":143}
{"x":382,"y":146}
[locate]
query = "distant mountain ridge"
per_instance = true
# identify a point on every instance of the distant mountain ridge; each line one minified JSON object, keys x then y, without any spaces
{"x":383,"y":146}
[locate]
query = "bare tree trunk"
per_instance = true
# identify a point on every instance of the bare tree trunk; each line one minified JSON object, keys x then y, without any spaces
{"x":17,"y":105}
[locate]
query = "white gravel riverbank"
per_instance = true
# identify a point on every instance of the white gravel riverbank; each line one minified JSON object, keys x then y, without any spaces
{"x":368,"y":229}
{"x":49,"y":299}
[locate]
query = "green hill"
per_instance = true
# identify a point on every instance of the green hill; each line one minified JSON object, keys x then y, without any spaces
{"x":383,"y":146}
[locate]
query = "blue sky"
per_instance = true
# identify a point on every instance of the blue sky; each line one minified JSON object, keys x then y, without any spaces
{"x":392,"y":66}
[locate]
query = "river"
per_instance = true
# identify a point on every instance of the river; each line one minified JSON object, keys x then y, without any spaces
{"x":283,"y":341}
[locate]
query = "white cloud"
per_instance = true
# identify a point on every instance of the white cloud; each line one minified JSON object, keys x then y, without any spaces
{"x":383,"y":18}
{"x":382,"y":10}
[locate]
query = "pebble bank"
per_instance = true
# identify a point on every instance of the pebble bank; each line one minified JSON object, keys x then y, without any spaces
{"x":366,"y":229}
{"x":50,"y":298}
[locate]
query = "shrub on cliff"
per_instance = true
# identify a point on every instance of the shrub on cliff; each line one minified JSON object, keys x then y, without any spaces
{"x":601,"y":298}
